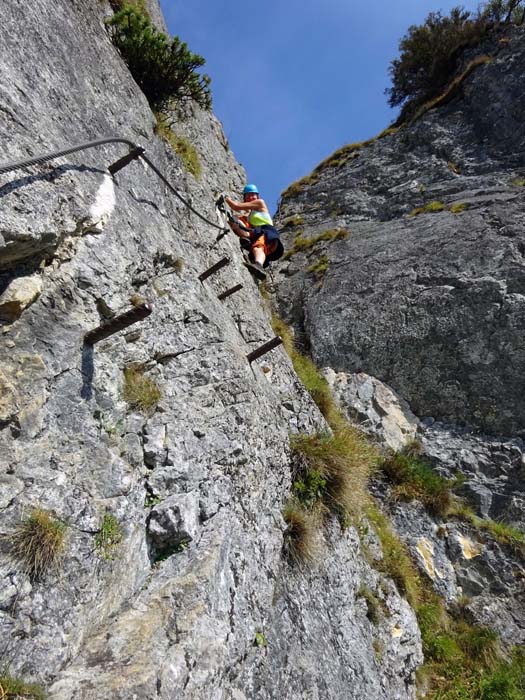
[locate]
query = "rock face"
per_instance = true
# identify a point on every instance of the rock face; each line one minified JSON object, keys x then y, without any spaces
{"x":431,"y":304}
{"x":405,"y":279}
{"x":195,"y":600}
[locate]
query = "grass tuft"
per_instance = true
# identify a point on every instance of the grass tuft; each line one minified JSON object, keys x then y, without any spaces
{"x":302,"y":537}
{"x":429,"y":208}
{"x":140,"y":391}
{"x":414,"y":478}
{"x":301,"y":243}
{"x":39,"y":542}
{"x":182,"y":147}
{"x":334,"y":471}
{"x":12,"y":688}
{"x":519,"y":182}
{"x":320,"y":267}
{"x":109,"y":536}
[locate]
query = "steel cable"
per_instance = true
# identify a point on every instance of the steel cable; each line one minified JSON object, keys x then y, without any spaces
{"x":37,"y":160}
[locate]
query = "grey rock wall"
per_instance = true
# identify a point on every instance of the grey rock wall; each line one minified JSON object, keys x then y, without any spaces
{"x":432,"y":304}
{"x":198,"y":483}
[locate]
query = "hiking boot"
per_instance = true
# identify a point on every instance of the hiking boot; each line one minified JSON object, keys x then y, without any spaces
{"x":257,"y":270}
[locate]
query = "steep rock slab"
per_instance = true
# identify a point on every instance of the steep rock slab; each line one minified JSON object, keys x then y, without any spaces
{"x":195,"y":483}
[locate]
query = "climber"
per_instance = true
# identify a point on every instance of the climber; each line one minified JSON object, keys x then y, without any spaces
{"x":256,"y":230}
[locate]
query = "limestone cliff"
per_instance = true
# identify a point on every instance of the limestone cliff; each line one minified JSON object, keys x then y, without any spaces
{"x":189,"y":595}
{"x":405,"y":278}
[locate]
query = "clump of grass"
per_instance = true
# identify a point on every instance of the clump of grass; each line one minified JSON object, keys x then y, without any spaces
{"x":39,"y":542}
{"x":320,"y":267}
{"x":413,"y":478}
{"x":301,"y":243}
{"x":396,"y":561}
{"x":335,"y":470}
{"x":429,"y":208}
{"x":298,"y":186}
{"x":464,"y":661}
{"x":109,"y":536}
{"x":292,"y":221}
{"x":457,"y":208}
{"x":182,"y":147}
{"x":302,"y":537}
{"x":502,"y":532}
{"x":12,"y":688}
{"x":137,"y":300}
{"x":140,"y":391}
{"x":374,"y":606}
{"x":519,"y":182}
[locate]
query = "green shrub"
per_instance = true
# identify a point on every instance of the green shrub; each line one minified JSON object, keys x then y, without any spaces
{"x":182,"y":147}
{"x":140,"y":391}
{"x":519,"y":182}
{"x":109,"y":536}
{"x":164,"y":68}
{"x":38,"y":542}
{"x":457,"y":208}
{"x":12,"y":688}
{"x":430,"y":55}
{"x":138,"y":5}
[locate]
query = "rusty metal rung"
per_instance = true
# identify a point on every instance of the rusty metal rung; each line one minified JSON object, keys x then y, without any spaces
{"x":214,"y":268}
{"x":259,"y":352}
{"x":229,"y":292}
{"x":125,"y":160}
{"x":138,"y":313}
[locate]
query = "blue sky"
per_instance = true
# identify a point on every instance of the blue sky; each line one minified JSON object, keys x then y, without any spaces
{"x":292,"y":81}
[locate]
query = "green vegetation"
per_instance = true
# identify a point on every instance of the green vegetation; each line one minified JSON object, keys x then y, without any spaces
{"x":109,"y":536}
{"x":463,"y":661}
{"x":396,"y":561}
{"x":182,"y":147}
{"x":334,"y":471}
{"x":504,"y":534}
{"x":260,"y":640}
{"x":164,"y":68}
{"x":38,"y":542}
{"x":431,"y":54}
{"x":375,"y":608}
{"x":413,"y":478}
{"x":298,"y":186}
{"x":451,"y":90}
{"x":302,"y":244}
{"x":140,"y":391}
{"x":457,"y":208}
{"x":138,"y":5}
{"x":151,"y":500}
{"x":429,"y":208}
{"x":12,"y":688}
{"x":292,"y":221}
{"x":302,"y":536}
{"x":320,"y":267}
{"x":519,"y":182}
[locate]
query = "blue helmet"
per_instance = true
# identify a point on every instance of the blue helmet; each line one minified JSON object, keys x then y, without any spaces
{"x":250,"y":188}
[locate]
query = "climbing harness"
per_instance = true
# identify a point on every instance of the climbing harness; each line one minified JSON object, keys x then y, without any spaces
{"x":136,"y":152}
